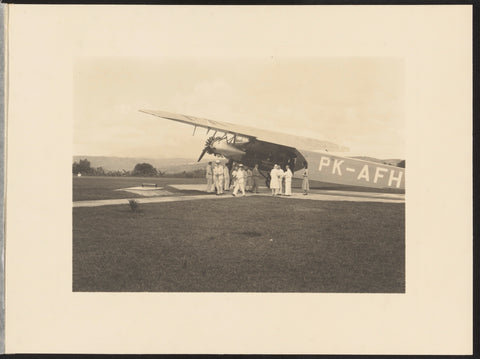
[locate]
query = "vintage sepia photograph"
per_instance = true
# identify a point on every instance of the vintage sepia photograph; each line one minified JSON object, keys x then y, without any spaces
{"x":233,"y":179}
{"x":255,"y":174}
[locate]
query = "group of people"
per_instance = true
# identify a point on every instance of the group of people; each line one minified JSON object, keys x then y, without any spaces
{"x":241,"y":178}
{"x":277,"y":175}
{"x":218,"y":178}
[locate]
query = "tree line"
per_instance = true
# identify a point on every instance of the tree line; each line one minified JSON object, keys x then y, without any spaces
{"x":84,"y":168}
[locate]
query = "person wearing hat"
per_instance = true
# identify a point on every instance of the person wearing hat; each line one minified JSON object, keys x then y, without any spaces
{"x":240,"y":181}
{"x":209,"y":177}
{"x":218,"y":177}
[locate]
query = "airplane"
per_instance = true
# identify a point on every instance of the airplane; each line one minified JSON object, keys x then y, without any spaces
{"x":250,"y":146}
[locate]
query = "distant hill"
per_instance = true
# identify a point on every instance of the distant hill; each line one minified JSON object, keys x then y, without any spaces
{"x":173,"y":165}
{"x":170,"y":165}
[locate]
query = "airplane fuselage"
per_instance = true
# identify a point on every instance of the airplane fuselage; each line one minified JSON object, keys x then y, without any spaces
{"x":331,"y":168}
{"x":322,"y":166}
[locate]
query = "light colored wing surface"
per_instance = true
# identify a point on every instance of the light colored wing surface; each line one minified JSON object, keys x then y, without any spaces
{"x":262,"y":135}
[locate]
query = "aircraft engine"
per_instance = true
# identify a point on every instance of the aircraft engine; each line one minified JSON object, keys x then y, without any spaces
{"x":219,"y":146}
{"x":227,"y":150}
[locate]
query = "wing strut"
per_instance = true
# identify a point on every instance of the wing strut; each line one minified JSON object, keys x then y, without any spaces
{"x":194,"y":129}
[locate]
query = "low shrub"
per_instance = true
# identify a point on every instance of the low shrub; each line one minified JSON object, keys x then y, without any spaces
{"x":133,"y":205}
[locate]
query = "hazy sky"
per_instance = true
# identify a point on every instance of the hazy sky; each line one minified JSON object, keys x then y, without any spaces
{"x":355,"y":102}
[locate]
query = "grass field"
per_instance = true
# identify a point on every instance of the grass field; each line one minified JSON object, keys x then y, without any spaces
{"x":250,"y":244}
{"x":96,"y":188}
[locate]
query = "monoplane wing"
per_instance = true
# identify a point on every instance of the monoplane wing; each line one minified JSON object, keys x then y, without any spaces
{"x":278,"y":138}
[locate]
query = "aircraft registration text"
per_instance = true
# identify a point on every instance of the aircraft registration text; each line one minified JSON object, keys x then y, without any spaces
{"x":352,"y":171}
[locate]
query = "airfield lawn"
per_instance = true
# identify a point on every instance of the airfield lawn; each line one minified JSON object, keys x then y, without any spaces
{"x":250,"y":244}
{"x":88,"y":188}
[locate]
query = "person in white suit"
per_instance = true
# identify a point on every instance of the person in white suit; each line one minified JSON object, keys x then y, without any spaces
{"x":274,"y":180}
{"x":280,"y":175}
{"x":209,"y":177}
{"x":288,"y":181}
{"x":305,"y":184}
{"x":226,"y":178}
{"x":240,"y":182}
{"x":218,"y":177}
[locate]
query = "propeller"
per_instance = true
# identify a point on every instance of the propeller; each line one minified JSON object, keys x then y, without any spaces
{"x":202,"y":154}
{"x":207,"y":148}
